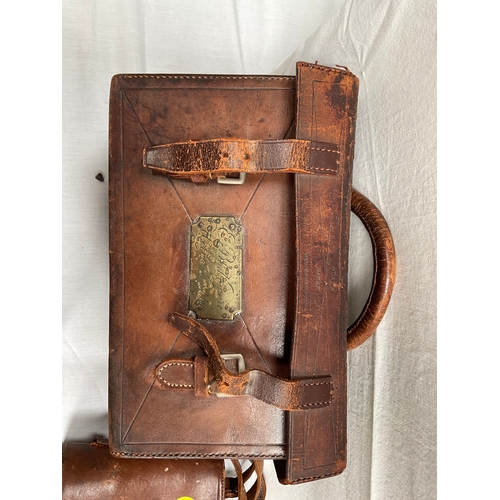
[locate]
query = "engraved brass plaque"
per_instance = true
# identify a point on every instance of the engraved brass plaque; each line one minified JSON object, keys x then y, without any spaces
{"x":215,"y":267}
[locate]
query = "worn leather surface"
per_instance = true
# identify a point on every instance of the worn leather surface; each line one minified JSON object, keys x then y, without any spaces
{"x":223,"y":156}
{"x":292,"y":395}
{"x":326,"y":111}
{"x":294,"y":260}
{"x":89,"y":471}
{"x":150,"y":217}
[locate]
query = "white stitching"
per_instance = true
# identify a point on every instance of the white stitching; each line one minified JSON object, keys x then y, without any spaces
{"x":174,"y":363}
{"x":323,"y":169}
{"x":324,"y":149}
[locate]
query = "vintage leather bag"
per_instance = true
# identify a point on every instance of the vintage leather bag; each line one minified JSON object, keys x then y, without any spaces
{"x":230,"y":201}
{"x":89,"y":471}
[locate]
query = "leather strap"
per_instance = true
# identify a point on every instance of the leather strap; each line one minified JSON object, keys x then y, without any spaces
{"x":293,"y":395}
{"x":235,"y":487}
{"x":326,"y":111}
{"x":219,"y":157}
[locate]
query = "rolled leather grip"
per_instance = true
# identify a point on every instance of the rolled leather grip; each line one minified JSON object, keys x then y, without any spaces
{"x":384,"y":257}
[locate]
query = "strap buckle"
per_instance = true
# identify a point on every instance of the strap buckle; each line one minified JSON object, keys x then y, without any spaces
{"x":233,"y":180}
{"x":212,"y":386}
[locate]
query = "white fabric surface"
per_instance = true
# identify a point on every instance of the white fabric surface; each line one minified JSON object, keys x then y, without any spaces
{"x":390,"y":46}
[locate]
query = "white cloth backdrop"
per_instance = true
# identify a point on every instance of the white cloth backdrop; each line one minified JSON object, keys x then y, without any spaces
{"x":391,"y":46}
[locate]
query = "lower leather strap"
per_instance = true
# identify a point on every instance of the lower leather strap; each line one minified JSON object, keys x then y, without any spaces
{"x":219,"y":157}
{"x":292,"y":395}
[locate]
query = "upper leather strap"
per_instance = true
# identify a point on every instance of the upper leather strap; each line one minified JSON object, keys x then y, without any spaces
{"x":219,"y":157}
{"x":292,"y":395}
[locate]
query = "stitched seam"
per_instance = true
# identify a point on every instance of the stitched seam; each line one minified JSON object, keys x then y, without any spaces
{"x":323,"y":68}
{"x":196,"y":77}
{"x":307,"y":384}
{"x":315,"y":477}
{"x":316,"y":404}
{"x":324,"y":149}
{"x":193,"y":455}
{"x":317,"y":169}
{"x":314,"y":383}
{"x":187,"y":386}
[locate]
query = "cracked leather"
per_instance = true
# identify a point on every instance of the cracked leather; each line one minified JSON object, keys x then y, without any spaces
{"x":220,"y":157}
{"x":295,"y":248}
{"x":291,"y":395}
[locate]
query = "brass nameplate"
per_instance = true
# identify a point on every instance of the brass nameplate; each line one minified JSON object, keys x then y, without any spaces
{"x":215,"y":267}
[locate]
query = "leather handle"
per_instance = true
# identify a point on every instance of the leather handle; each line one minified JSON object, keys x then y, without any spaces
{"x":384,"y":257}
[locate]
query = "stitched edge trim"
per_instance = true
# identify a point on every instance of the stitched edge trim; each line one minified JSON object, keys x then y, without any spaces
{"x":312,"y":478}
{"x":324,"y":149}
{"x":175,"y":363}
{"x":318,"y":169}
{"x":191,"y":455}
{"x":339,"y":69}
{"x":322,"y":403}
{"x":306,"y":384}
{"x":208,"y":77}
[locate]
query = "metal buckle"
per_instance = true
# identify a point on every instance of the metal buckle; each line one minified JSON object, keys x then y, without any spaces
{"x":212,"y":386}
{"x":238,"y":357}
{"x":233,"y":180}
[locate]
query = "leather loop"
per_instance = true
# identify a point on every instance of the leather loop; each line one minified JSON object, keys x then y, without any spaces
{"x":384,"y":257}
{"x":292,"y":395}
{"x":219,"y":157}
{"x":176,"y":373}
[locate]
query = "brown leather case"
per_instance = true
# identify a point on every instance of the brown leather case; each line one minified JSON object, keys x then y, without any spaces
{"x":89,"y":471}
{"x":290,"y":404}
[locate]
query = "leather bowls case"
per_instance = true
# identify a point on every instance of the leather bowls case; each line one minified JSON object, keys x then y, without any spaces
{"x":268,"y":379}
{"x":90,"y":472}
